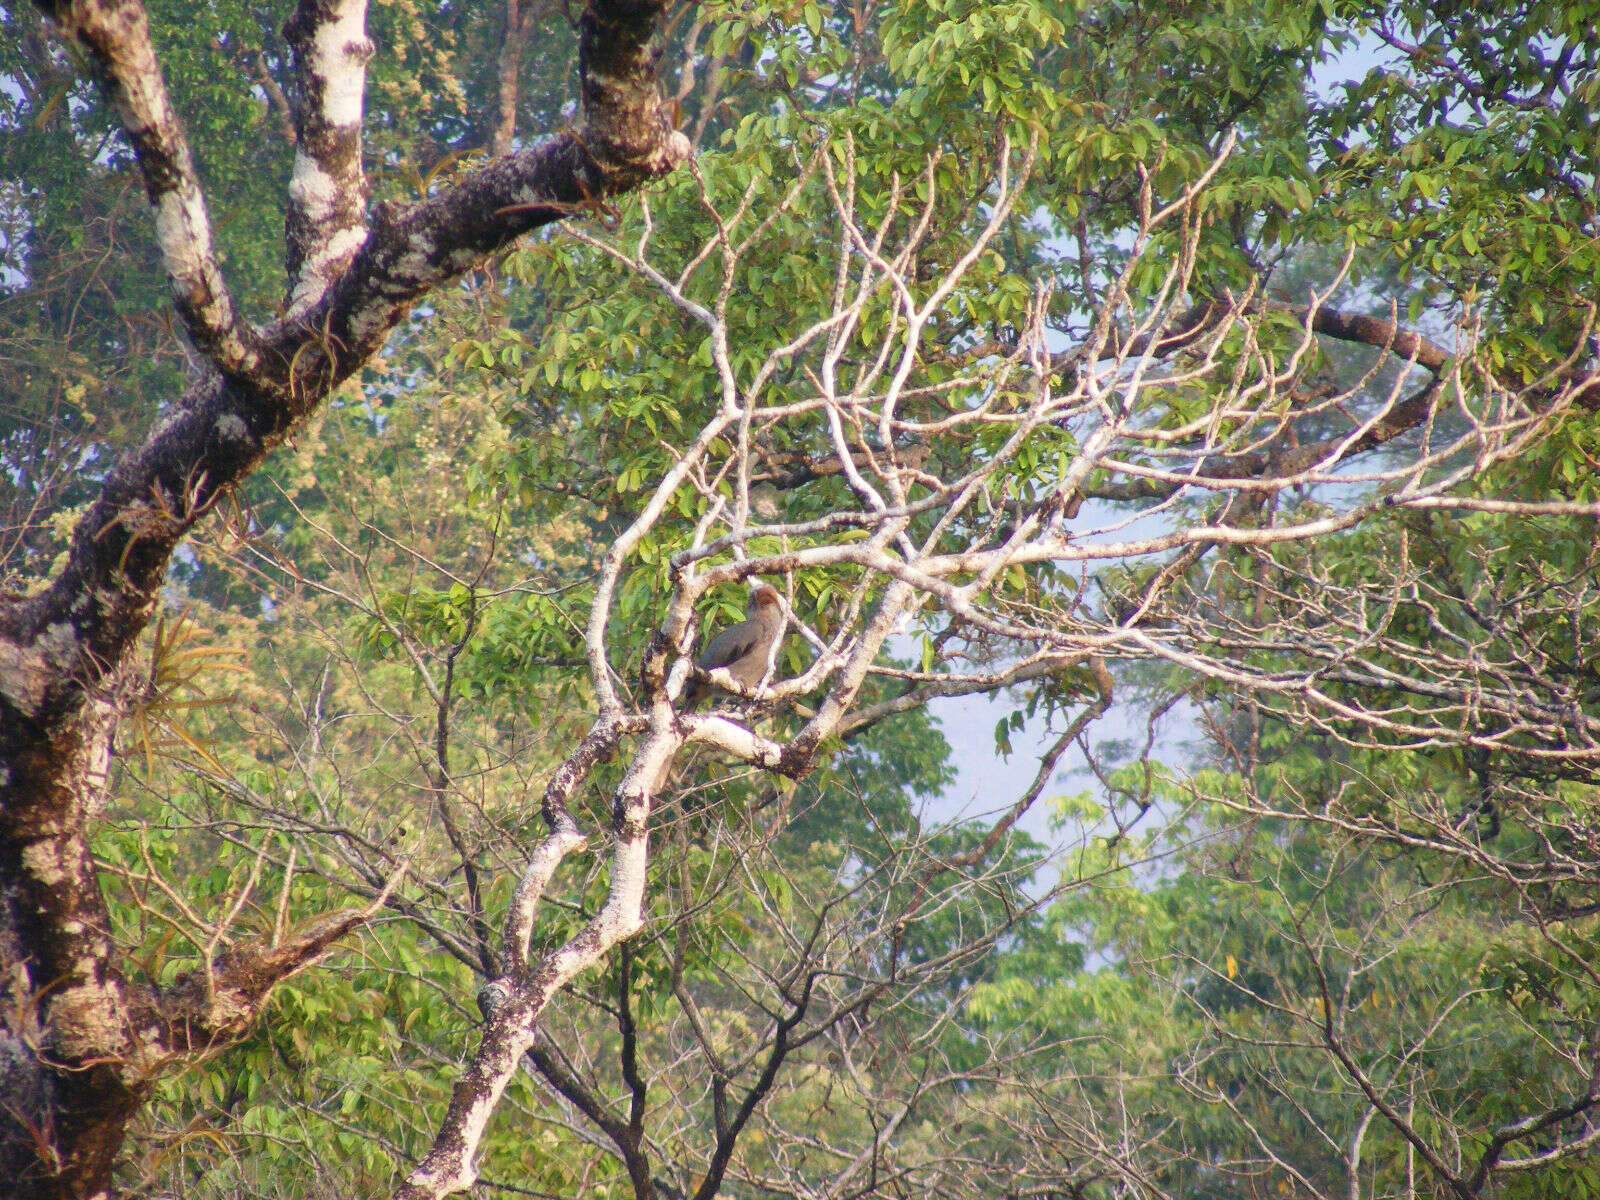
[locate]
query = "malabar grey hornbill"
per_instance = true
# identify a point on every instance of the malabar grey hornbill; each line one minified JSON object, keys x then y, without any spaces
{"x":743,"y":650}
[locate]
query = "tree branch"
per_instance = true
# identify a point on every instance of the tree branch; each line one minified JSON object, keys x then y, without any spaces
{"x":205,"y":1010}
{"x":327,"y":219}
{"x":116,"y":36}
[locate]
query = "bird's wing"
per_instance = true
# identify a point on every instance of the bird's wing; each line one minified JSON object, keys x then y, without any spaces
{"x":723,"y":654}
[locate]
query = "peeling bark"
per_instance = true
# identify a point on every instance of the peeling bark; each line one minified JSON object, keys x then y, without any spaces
{"x":327,"y":222}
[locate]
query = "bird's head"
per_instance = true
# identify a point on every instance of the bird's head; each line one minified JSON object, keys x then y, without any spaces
{"x":765,"y":599}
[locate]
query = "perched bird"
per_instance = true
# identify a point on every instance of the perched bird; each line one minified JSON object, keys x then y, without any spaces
{"x":743,"y":650}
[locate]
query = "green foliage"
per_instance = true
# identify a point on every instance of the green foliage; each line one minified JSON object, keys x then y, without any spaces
{"x":424,"y":558}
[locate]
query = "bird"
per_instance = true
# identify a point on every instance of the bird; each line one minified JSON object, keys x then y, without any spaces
{"x":744,"y":650}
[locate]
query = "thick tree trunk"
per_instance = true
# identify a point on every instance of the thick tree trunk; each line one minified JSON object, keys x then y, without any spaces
{"x":60,"y":1129}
